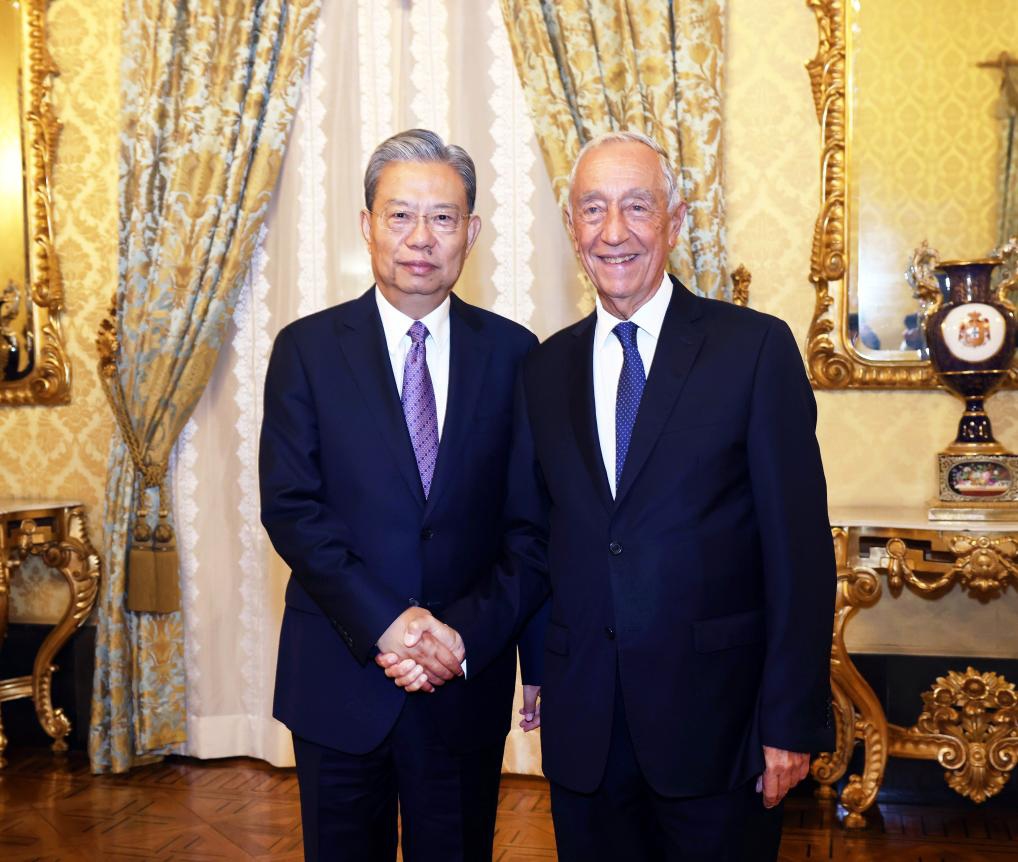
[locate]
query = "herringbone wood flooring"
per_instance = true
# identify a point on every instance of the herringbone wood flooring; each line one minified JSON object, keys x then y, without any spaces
{"x":53,"y":810}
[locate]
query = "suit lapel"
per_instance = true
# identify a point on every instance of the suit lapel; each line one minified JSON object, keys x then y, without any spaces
{"x":676,"y":351}
{"x":581,"y":407}
{"x":362,"y":341}
{"x":469,"y":353}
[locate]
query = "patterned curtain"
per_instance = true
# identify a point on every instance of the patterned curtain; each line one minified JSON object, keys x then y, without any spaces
{"x":594,"y":66}
{"x":1009,"y":159}
{"x":209,"y":90}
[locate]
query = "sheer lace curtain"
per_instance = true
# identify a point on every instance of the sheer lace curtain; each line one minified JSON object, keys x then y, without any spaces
{"x":378,"y":66}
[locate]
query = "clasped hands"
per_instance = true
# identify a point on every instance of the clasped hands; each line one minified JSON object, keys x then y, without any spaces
{"x":419,"y":652}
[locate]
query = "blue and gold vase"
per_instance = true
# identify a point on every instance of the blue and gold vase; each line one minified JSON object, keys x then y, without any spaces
{"x":971,"y":330}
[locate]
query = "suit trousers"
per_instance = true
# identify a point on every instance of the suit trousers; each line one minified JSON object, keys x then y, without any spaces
{"x":446,"y":800}
{"x":624,"y":818}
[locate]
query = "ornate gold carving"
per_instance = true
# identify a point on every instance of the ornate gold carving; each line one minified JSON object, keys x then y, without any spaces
{"x":970,"y":721}
{"x":60,"y":537}
{"x":1008,"y":254}
{"x":857,"y":711}
{"x":976,"y":715}
{"x":983,"y":565}
{"x":827,"y":77}
{"x":831,"y":361}
{"x":741,"y":280}
{"x":920,"y":277}
{"x":50,"y":381}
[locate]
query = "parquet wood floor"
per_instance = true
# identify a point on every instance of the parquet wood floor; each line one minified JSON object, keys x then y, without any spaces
{"x":53,"y":810}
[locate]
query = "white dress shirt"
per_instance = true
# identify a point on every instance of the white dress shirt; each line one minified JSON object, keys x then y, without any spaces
{"x":396,"y":326}
{"x":608,"y":363}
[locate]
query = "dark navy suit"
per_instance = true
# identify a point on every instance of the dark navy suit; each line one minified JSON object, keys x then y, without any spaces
{"x":343,"y":504}
{"x":696,"y":606}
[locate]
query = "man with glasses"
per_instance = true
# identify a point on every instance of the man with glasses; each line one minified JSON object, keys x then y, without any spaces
{"x":384,"y":457}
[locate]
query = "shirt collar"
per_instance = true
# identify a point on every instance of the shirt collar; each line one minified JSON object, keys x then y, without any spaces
{"x":395,"y":323}
{"x":649,"y":317}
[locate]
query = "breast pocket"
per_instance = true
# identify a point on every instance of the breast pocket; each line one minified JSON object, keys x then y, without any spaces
{"x":694,"y":428}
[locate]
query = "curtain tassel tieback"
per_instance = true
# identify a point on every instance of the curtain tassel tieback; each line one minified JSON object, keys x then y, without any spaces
{"x":153,"y":566}
{"x":153,"y":585}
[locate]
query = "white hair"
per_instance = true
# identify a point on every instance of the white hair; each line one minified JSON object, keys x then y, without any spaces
{"x":623,"y":137}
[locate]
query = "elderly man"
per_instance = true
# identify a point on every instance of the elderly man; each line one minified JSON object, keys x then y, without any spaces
{"x":666,"y":480}
{"x":383,"y":465}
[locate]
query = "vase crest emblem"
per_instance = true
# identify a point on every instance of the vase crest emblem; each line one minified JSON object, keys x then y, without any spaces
{"x":975,"y":331}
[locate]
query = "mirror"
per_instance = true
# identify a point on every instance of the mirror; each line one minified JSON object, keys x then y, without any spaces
{"x":917,"y":102}
{"x":33,"y":363}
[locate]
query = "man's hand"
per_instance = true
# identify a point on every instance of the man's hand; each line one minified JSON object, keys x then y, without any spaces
{"x":784,"y":769}
{"x":419,"y":652}
{"x":531,"y":710}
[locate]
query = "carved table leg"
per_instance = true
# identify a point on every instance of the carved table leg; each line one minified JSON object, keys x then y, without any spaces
{"x":78,"y":562}
{"x":5,"y":580}
{"x":857,"y":711}
{"x":829,"y":767}
{"x":871,"y":725}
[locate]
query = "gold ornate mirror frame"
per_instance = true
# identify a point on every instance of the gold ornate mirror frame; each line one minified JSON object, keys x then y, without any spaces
{"x":833,"y":362}
{"x":45,"y":376}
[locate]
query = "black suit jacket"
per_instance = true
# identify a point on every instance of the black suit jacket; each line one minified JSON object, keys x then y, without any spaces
{"x":706,"y":586}
{"x":343,"y":504}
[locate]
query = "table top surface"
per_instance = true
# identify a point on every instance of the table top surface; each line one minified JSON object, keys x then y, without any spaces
{"x":912,"y":518}
{"x":17,"y":505}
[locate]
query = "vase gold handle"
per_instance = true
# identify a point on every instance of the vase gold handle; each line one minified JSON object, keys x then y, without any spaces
{"x":1008,"y":254}
{"x":921,"y":278}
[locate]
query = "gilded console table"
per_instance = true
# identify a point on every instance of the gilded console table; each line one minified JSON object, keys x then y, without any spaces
{"x":56,"y":531}
{"x":969,"y":720}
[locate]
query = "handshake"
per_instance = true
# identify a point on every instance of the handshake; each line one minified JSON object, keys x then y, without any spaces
{"x":418,"y":652}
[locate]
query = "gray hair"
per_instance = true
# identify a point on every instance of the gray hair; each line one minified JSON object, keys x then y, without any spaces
{"x":626,"y":137}
{"x":419,"y":145}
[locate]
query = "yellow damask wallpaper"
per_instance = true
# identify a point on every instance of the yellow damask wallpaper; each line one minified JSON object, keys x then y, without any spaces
{"x":61,"y":451}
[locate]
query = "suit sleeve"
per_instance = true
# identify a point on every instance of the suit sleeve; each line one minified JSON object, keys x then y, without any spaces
{"x":304,"y":529}
{"x":531,"y":646}
{"x":790,"y":498}
{"x":493,"y":614}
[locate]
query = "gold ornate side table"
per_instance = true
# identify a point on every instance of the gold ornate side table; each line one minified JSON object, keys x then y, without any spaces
{"x":57,"y":532}
{"x":969,"y":720}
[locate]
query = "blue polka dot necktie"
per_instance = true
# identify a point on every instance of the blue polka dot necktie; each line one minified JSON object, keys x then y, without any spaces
{"x":627,"y":399}
{"x":419,"y":408}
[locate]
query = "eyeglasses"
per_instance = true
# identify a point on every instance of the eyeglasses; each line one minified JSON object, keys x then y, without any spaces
{"x":632,"y":212}
{"x":400,"y":220}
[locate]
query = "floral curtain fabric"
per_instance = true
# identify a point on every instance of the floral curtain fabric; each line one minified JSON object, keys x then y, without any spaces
{"x":209,"y":91}
{"x":593,"y":66}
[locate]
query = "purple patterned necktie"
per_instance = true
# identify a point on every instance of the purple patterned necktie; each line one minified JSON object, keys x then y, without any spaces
{"x":419,"y":405}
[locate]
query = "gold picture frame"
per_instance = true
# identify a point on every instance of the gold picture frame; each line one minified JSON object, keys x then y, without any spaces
{"x":34,"y":367}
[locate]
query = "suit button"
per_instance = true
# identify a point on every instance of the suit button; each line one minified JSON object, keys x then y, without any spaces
{"x":615,"y":549}
{"x":609,"y":633}
{"x":427,"y":533}
{"x":413,"y":602}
